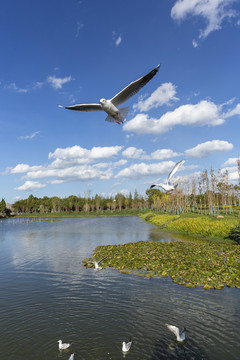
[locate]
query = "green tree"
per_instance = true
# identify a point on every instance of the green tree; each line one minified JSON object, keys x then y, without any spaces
{"x":3,"y":207}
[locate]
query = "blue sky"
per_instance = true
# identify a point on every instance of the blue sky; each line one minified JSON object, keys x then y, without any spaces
{"x":66,"y":52}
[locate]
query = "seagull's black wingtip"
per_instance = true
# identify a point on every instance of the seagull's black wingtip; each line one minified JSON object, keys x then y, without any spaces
{"x":152,"y":186}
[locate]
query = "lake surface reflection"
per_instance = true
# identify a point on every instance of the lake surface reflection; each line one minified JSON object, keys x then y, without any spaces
{"x":47,"y":295}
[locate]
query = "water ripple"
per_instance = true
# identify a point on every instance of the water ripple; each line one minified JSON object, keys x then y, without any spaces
{"x":47,"y":295}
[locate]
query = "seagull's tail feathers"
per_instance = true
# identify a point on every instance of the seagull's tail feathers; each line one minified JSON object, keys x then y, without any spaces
{"x":123,"y":113}
{"x":120,"y":117}
{"x":109,"y":118}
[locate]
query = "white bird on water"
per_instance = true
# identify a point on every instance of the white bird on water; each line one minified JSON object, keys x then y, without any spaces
{"x":63,"y":346}
{"x":180,"y":334}
{"x":96,"y":264}
{"x":111,"y":106}
{"x":168,"y":187}
{"x":126,"y":345}
{"x":71,"y":357}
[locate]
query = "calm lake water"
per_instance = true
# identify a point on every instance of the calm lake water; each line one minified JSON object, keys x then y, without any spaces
{"x":46,"y":295}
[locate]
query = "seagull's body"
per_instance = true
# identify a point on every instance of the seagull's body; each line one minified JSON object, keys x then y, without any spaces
{"x":96,"y":264}
{"x":168,"y":187}
{"x":180,"y":334}
{"x":63,"y":346}
{"x":126,"y":345}
{"x":111,"y":106}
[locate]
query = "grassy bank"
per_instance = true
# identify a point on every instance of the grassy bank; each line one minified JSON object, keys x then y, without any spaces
{"x":211,"y":265}
{"x":193,"y":224}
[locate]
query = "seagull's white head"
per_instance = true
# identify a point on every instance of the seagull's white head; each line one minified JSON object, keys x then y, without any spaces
{"x":102,"y":101}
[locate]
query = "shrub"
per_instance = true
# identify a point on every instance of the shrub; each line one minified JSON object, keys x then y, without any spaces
{"x":234,"y":234}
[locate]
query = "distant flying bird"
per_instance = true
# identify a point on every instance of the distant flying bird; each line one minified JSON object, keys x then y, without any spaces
{"x":168,"y":187}
{"x":111,"y":106}
{"x":96,"y":264}
{"x":62,"y":346}
{"x":126,"y":345}
{"x":180,"y":334}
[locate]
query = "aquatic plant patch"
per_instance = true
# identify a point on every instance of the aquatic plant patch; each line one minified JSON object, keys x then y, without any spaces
{"x":204,"y":264}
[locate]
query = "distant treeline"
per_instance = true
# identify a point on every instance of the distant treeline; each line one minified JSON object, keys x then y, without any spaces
{"x":78,"y":204}
{"x":209,"y":191}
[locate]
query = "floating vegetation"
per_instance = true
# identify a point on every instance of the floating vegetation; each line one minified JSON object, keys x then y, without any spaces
{"x":211,"y":265}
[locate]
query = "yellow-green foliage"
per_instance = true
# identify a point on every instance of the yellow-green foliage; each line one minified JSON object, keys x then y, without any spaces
{"x":207,"y":264}
{"x":202,"y":226}
{"x":159,"y":220}
{"x":147,"y":216}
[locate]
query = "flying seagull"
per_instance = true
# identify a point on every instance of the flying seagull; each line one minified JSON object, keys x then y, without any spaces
{"x":111,"y":106}
{"x":96,"y":264}
{"x":168,"y":187}
{"x":180,"y":334}
{"x":126,"y":345}
{"x":62,"y":346}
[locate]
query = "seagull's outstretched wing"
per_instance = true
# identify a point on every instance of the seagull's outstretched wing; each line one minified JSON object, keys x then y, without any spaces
{"x":133,"y":88}
{"x":101,"y":260}
{"x":84,"y":107}
{"x":174,"y":329}
{"x":175,"y":169}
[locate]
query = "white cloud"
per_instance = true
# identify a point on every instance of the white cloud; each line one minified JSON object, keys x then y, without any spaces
{"x":235,"y":111}
{"x":72,"y":173}
{"x":203,"y":113}
{"x":77,"y":154}
{"x":133,"y":153}
{"x":232,"y":173}
{"x":23,"y":168}
{"x":139,"y":170}
{"x":79,"y":28}
{"x":208,"y":148}
{"x":31,"y":136}
{"x":164,"y":94}
{"x":57,"y":83}
{"x":118,"y":41}
{"x":20,"y":168}
{"x":14,"y":87}
{"x":31,"y":185}
{"x":214,"y":12}
{"x":120,"y":163}
{"x":231,"y":161}
{"x":162,"y":154}
{"x":116,"y":38}
{"x":194,"y":43}
{"x":72,"y":164}
{"x":37,"y":85}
